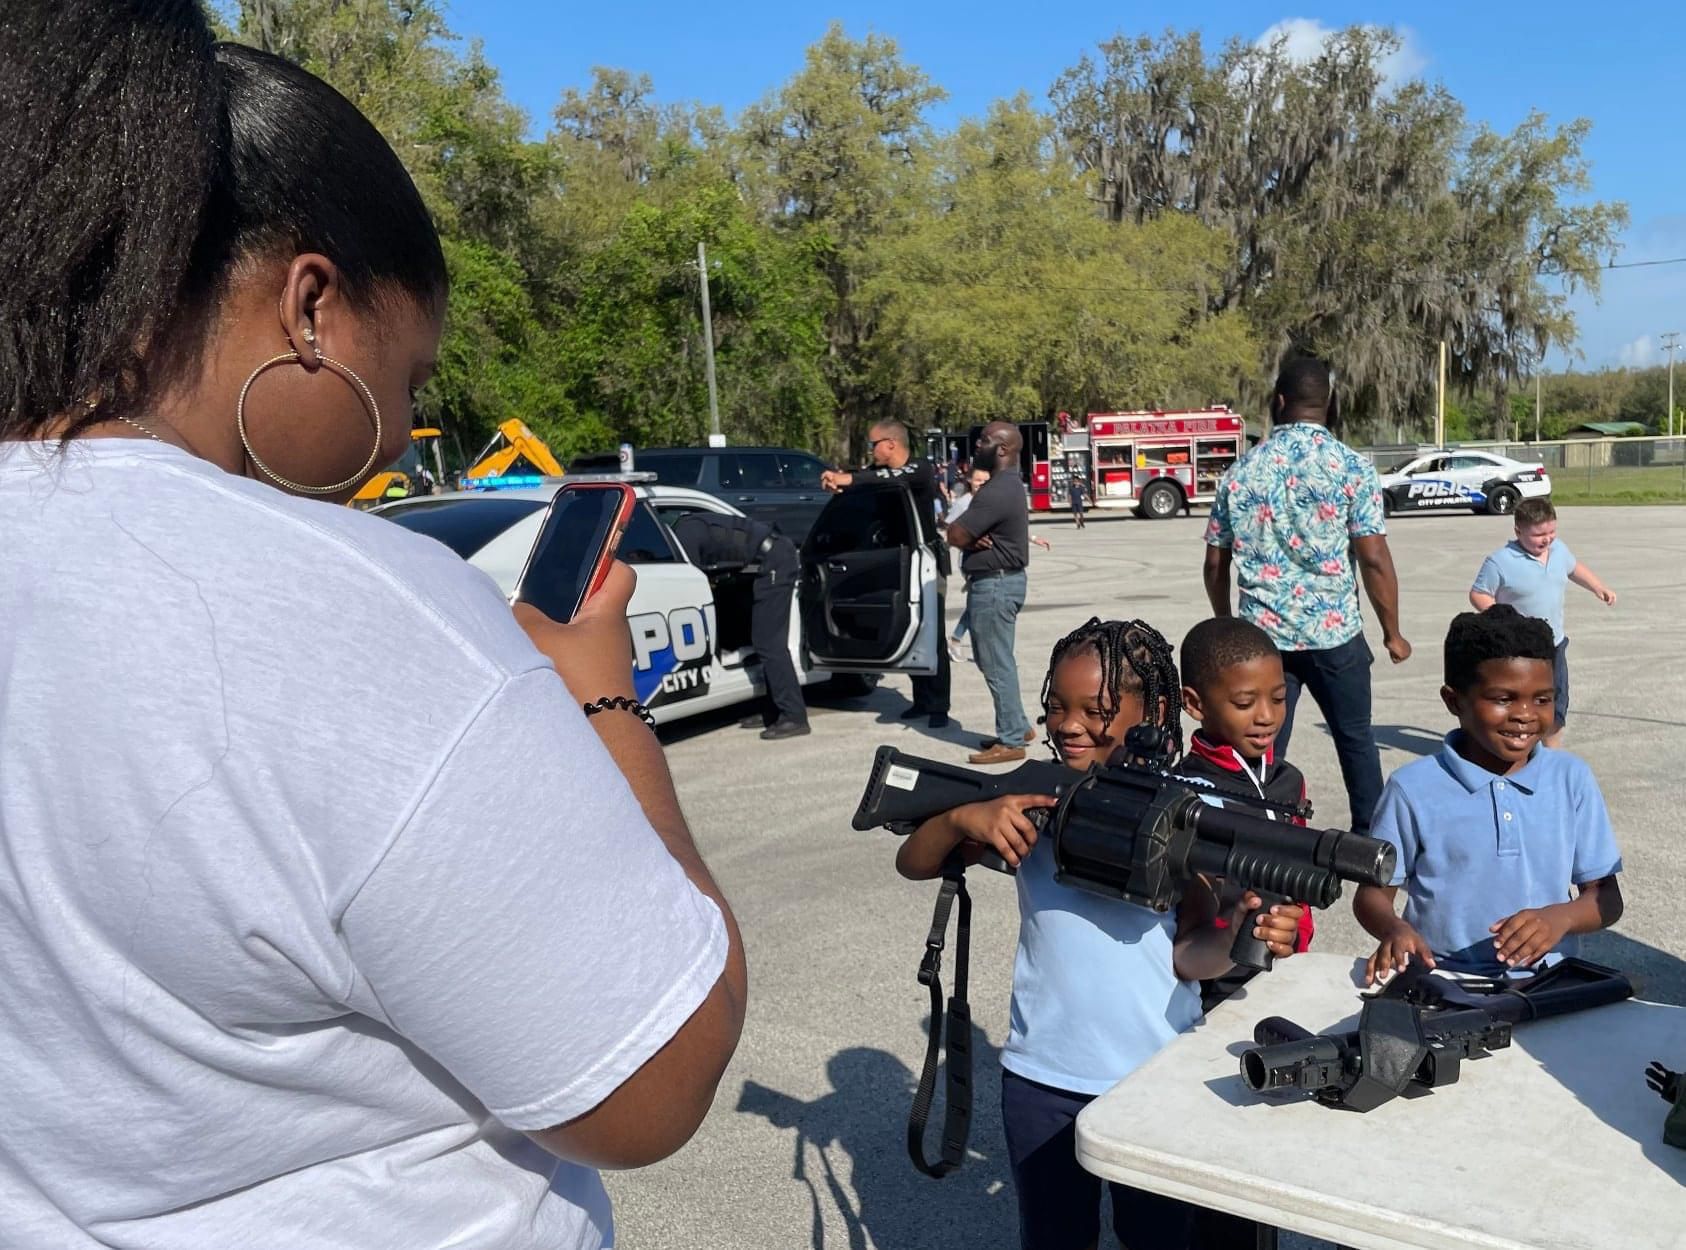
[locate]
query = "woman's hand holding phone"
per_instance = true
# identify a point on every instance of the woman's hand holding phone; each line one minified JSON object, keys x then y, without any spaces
{"x":575,"y":543}
{"x":593,"y":652}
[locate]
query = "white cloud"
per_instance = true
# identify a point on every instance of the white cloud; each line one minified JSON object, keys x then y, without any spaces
{"x":1303,"y":39}
{"x":1639,"y":354}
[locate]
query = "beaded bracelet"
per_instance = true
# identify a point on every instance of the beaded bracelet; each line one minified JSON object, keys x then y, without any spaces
{"x":620,"y":703}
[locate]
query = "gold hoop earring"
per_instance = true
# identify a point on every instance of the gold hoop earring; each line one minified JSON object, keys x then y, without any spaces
{"x":351,"y":377}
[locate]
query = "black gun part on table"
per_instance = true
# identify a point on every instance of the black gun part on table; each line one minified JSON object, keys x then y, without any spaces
{"x":1138,"y":833}
{"x":1418,"y":1030}
{"x":1671,"y":1086}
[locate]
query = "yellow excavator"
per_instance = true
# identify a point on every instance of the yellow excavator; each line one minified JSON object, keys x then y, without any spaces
{"x":514,"y":449}
{"x":400,"y":480}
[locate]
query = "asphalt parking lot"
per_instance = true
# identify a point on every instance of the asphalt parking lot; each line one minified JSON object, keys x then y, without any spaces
{"x":804,"y":1148}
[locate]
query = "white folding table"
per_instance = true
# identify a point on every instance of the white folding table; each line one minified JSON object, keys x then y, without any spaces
{"x":1552,"y":1144}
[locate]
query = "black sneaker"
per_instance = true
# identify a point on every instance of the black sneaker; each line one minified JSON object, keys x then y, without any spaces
{"x":913,"y":713}
{"x":785,"y":729}
{"x":939,"y":720}
{"x":753,"y":722}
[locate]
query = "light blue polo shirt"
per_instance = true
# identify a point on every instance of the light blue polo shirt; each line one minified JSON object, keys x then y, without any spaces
{"x":1475,"y":847}
{"x":1533,"y":587}
{"x":1094,"y":992}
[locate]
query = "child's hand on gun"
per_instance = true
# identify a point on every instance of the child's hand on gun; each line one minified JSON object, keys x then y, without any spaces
{"x":1528,"y":936}
{"x":1402,"y":944}
{"x":1278,"y":927}
{"x":1001,"y":825}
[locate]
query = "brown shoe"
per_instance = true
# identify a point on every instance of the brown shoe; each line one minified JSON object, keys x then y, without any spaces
{"x":1000,"y":753}
{"x":986,"y":743}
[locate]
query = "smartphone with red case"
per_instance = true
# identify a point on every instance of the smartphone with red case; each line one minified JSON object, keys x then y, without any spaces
{"x":576,"y":545}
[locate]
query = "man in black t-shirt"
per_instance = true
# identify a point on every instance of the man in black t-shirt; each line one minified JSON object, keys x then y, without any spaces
{"x":994,"y":534}
{"x":718,"y":543}
{"x":893,"y":460}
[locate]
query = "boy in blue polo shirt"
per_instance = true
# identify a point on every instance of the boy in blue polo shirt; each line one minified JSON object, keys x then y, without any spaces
{"x":1494,"y":829}
{"x":1531,"y":573}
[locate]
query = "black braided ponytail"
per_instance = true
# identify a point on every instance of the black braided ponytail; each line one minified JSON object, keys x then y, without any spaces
{"x":1134,"y":656}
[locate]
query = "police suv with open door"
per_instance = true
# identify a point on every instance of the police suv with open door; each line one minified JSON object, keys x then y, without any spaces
{"x":868,"y":594}
{"x":866,"y":598}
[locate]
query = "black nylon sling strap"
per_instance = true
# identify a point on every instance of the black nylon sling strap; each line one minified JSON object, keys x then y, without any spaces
{"x":957,"y":1114}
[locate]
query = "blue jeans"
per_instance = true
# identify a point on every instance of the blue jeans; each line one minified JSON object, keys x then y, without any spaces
{"x":1560,"y":683}
{"x":993,"y":604}
{"x":1339,"y":682}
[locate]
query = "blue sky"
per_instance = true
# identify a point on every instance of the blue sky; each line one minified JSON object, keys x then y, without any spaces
{"x":1618,"y":64}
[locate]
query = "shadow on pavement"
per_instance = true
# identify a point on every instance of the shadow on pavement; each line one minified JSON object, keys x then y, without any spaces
{"x":1407,"y":738}
{"x":1658,"y":976}
{"x":849,"y":1150}
{"x":954,"y":733}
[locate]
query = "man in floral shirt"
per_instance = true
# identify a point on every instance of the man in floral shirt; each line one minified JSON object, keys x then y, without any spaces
{"x":1293,"y":518}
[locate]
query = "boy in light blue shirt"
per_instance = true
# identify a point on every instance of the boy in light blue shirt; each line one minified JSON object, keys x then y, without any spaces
{"x":1495,"y":829}
{"x":1531,"y":573}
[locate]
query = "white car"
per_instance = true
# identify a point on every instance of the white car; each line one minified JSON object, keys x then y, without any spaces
{"x":866,"y":601}
{"x":1477,"y":480}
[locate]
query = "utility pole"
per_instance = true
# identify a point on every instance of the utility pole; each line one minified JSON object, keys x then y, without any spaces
{"x":1671,"y":344}
{"x":1440,"y":401}
{"x":1537,"y":406}
{"x":715,"y":437}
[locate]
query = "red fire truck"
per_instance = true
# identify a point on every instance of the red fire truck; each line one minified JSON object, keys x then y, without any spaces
{"x":1156,"y":463}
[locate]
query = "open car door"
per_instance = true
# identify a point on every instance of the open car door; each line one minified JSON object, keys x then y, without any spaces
{"x":869,"y":587}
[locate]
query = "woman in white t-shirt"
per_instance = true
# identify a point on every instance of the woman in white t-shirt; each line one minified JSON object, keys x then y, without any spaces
{"x":277,"y":968}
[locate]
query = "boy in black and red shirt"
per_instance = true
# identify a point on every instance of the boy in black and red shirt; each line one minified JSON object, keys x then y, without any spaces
{"x":1234,"y":686}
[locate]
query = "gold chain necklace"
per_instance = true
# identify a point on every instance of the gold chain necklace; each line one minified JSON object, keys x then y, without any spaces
{"x":137,"y":425}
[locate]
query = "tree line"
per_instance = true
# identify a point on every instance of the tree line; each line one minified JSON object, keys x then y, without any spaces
{"x":1159,"y":230}
{"x":1570,"y":399}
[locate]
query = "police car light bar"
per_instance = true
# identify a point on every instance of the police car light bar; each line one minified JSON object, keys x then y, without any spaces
{"x":506,"y":483}
{"x":518,"y":480}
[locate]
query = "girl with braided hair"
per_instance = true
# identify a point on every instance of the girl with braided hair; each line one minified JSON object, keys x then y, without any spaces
{"x":1099,"y":985}
{"x":1132,"y":656}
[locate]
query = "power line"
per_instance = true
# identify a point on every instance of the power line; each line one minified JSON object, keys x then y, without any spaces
{"x":1208,"y":288}
{"x":1354,"y":283}
{"x":1643,"y":264}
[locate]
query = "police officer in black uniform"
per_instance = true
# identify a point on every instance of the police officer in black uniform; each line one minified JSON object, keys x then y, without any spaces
{"x":893,"y":460}
{"x":718,"y":542}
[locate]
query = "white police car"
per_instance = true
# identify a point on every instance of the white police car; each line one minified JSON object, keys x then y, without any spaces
{"x":1477,"y":480}
{"x":866,"y":600}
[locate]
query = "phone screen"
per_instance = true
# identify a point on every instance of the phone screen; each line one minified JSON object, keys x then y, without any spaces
{"x":575,"y":544}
